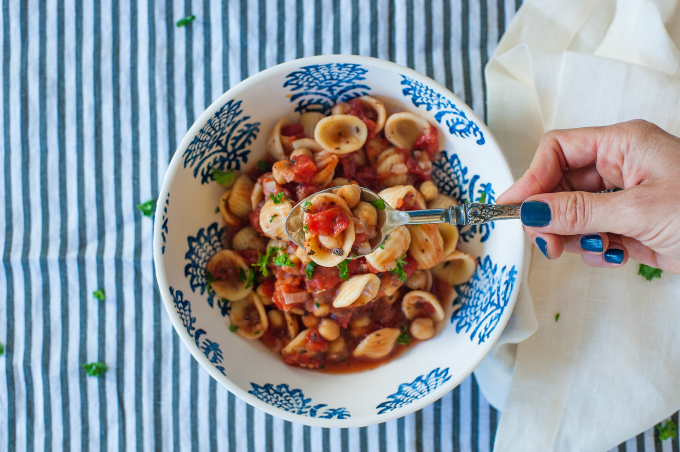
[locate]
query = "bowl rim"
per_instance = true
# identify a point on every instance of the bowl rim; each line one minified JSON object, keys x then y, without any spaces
{"x":163,"y":286}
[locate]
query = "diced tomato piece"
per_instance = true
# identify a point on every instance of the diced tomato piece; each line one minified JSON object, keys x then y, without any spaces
{"x":286,"y":286}
{"x":414,"y":169}
{"x":325,"y":278}
{"x":316,"y":342}
{"x":357,"y":266}
{"x":367,"y":177}
{"x":303,"y":169}
{"x":428,"y":142}
{"x":250,"y":256}
{"x":304,"y":190}
{"x":254,"y":218}
{"x":359,"y":238}
{"x":349,"y":165}
{"x":368,"y":116}
{"x":307,"y":360}
{"x":294,"y":131}
{"x":330,"y":222}
{"x":268,"y":286}
{"x":410,"y":265}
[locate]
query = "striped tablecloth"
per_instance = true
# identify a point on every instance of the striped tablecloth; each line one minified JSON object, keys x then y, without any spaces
{"x":95,"y":97}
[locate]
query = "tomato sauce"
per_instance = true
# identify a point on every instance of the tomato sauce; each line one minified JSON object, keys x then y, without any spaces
{"x":329,"y":223}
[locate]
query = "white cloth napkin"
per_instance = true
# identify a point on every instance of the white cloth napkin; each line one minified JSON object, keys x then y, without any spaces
{"x":610,"y":367}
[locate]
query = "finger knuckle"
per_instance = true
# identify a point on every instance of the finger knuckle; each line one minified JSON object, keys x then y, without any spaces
{"x":575,"y":214}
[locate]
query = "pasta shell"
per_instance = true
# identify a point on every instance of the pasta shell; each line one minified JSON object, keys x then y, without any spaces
{"x":298,"y":345}
{"x":382,"y":259}
{"x":379,"y":109}
{"x":291,"y":324}
{"x":325,"y":166}
{"x":307,"y":143}
{"x":388,"y":163}
{"x":378,"y":344}
{"x":249,"y":316}
{"x":229,"y":217}
{"x":420,"y":280}
{"x":374,"y":147}
{"x":341,"y":108}
{"x":273,"y":218}
{"x":426,"y":245}
{"x":256,"y":196}
{"x":249,"y":238}
{"x":389,"y":284}
{"x":239,"y":198}
{"x":458,"y":268}
{"x":309,"y":120}
{"x":357,"y":291}
{"x":233,"y":289}
{"x":341,"y":134}
{"x":413,"y":306}
{"x":399,"y":196}
{"x":326,"y":257}
{"x":274,"y":143}
{"x":267,"y":301}
{"x":403,"y":129}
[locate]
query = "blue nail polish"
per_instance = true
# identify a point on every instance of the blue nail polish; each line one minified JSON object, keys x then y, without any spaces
{"x":535,"y":214}
{"x":613,"y":256}
{"x":591,"y":243}
{"x":542,"y":245}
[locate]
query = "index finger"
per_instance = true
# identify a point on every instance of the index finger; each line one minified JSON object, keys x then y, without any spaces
{"x":562,"y":150}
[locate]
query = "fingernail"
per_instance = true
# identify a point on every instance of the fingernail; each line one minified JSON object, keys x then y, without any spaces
{"x":613,"y":256}
{"x":535,"y":214}
{"x":542,"y":245}
{"x":591,"y":243}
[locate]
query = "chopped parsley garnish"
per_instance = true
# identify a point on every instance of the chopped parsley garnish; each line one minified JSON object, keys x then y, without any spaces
{"x":208,"y":280}
{"x":557,"y":317}
{"x":250,"y":281}
{"x":309,"y":270}
{"x":344,"y":271}
{"x":217,"y":209}
{"x":223,"y":178}
{"x":186,"y":21}
{"x":282,"y":260}
{"x":404,"y":338}
{"x":648,"y":272}
{"x":233,"y":327}
{"x":2,"y":349}
{"x":99,"y":294}
{"x":276,"y":198}
{"x":262,"y":165}
{"x":272,"y":218}
{"x":482,"y":199}
{"x":399,"y":270}
{"x":263,"y":261}
{"x":668,"y":431}
{"x":95,"y":369}
{"x":316,"y":305}
{"x":305,"y":228}
{"x":378,"y":204}
{"x":241,"y":275}
{"x":382,"y":246}
{"x":307,"y":204}
{"x":147,"y":207}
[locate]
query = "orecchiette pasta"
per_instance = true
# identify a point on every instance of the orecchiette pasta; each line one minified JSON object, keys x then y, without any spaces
{"x":341,"y":134}
{"x":357,"y":291}
{"x":319,"y":306}
{"x":225,"y":269}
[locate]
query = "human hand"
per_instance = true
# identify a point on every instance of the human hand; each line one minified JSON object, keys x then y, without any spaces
{"x":563,"y":212}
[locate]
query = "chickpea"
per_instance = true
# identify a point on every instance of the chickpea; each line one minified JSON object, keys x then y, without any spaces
{"x":301,"y":151}
{"x":351,"y":194}
{"x":367,"y":212}
{"x":422,"y":328}
{"x":302,"y":256}
{"x":419,"y":280}
{"x":336,"y":347}
{"x":276,"y":318}
{"x":329,"y":329}
{"x":358,"y":326}
{"x":310,"y":321}
{"x":279,"y":171}
{"x":321,"y":310}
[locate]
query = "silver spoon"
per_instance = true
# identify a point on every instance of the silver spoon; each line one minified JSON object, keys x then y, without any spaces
{"x":389,"y":219}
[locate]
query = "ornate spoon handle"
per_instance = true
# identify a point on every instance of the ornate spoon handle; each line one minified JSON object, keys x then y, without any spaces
{"x":467,"y":214}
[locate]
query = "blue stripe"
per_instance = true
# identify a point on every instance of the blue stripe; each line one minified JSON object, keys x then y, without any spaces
{"x":307,"y":438}
{"x":448,"y":74}
{"x":382,"y":437}
{"x":410,"y":59}
{"x":280,"y":31}
{"x":455,"y":419}
{"x":355,"y":27}
{"x":244,"y":39}
{"x":438,"y":425}
{"x":483,"y":50}
{"x":317,"y":27}
{"x":429,"y":69}
{"x":288,"y":437}
{"x":465,"y":49}
{"x":401,"y":435}
{"x":9,"y":234}
{"x":474,"y":405}
{"x":363,"y":438}
{"x":299,"y":49}
{"x":26,"y":240}
{"x":231,"y":421}
{"x":419,"y":430}
{"x":44,"y":245}
{"x":374,"y":29}
{"x":336,"y":26}
{"x":391,"y":31}
{"x":63,"y":234}
{"x":82,"y":229}
{"x":226,"y":84}
{"x":262,"y":50}
{"x":136,"y":193}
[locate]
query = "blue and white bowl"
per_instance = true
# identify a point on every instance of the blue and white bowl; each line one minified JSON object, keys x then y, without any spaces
{"x":231,"y":134}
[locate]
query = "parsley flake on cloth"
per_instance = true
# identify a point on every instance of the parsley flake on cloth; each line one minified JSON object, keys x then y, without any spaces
{"x":185,"y":21}
{"x":95,"y":369}
{"x":99,"y":294}
{"x":147,"y":207}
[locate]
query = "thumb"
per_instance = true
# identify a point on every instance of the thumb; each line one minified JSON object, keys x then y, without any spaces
{"x":574,"y":212}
